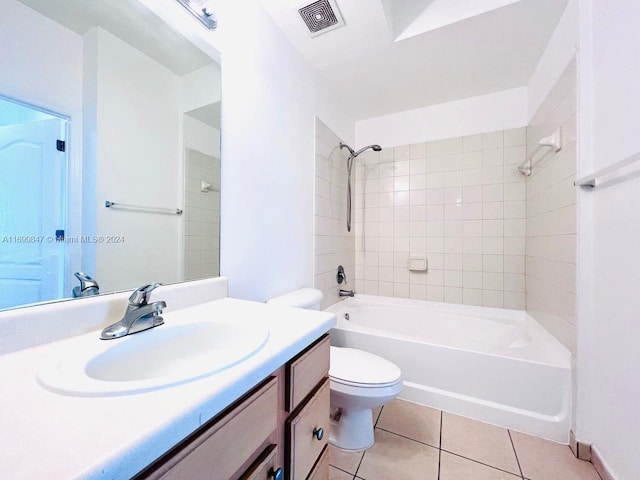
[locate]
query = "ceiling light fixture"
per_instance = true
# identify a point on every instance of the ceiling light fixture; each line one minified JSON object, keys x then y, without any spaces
{"x":200,"y":10}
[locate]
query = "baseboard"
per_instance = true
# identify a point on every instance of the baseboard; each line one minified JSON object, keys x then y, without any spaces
{"x":579,"y":449}
{"x":599,"y":465}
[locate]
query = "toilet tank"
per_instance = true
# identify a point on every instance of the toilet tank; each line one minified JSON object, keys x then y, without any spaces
{"x":308,"y":298}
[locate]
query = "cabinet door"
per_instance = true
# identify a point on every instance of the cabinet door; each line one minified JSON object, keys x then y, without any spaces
{"x":307,"y":432}
{"x":305,"y":371}
{"x":321,"y":469}
{"x":220,"y":451}
{"x":266,"y":467}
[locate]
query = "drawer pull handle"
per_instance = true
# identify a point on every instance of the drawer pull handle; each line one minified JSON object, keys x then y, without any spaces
{"x":276,"y":474}
{"x":318,"y":433}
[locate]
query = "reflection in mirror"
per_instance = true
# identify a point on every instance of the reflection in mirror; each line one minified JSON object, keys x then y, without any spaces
{"x":104,"y":104}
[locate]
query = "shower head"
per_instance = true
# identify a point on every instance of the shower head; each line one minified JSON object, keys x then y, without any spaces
{"x":375,"y":148}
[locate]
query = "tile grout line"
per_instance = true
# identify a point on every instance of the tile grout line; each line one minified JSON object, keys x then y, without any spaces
{"x":359,"y":463}
{"x":440,"y":445}
{"x":407,"y":438}
{"x":515,"y":453}
{"x":482,"y":463}
{"x":341,"y":469}
{"x":355,"y":474}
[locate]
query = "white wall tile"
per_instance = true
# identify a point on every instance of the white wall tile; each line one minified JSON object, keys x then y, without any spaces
{"x":472,"y":160}
{"x":472,"y":143}
{"x":472,"y":263}
{"x":418,"y":150}
{"x":493,"y":193}
{"x":493,"y":263}
{"x":435,"y":294}
{"x":492,"y":140}
{"x":453,"y":295}
{"x":435,"y":148}
{"x":493,"y":157}
{"x":472,"y":279}
{"x":492,"y":298}
{"x":471,"y":296}
{"x":550,"y":213}
{"x":452,"y":199}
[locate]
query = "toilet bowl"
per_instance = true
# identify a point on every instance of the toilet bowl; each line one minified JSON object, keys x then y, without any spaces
{"x":359,"y":381}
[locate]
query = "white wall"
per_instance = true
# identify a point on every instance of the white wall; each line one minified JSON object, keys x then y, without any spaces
{"x":201,"y":87}
{"x":36,"y":72}
{"x":486,"y":113}
{"x":560,"y":52}
{"x":268,"y":132}
{"x":31,"y":52}
{"x":137,"y":148}
{"x":609,"y":234}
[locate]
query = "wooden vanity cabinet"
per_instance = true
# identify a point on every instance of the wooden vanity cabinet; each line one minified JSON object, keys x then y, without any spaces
{"x":277,"y":431}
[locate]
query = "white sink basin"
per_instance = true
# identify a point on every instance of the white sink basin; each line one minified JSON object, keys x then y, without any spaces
{"x":164,"y":356}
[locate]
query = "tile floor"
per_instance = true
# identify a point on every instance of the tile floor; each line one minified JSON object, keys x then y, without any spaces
{"x":416,"y":442}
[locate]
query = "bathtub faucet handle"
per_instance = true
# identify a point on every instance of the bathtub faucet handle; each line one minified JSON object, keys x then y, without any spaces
{"x":341,"y":276}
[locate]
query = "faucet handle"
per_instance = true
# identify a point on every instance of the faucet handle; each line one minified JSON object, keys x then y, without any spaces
{"x":340,"y":275}
{"x":85,"y":281}
{"x":141,"y":295}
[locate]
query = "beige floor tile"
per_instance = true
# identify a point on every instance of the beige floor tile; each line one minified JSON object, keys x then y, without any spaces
{"x":397,"y":458}
{"x":545,"y":460}
{"x":453,"y":467}
{"x":478,"y":441}
{"x":336,"y":474}
{"x":411,"y":420}
{"x":347,"y":461}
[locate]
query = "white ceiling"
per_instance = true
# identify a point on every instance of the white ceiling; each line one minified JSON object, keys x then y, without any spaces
{"x":496,"y":48}
{"x":130,"y":21}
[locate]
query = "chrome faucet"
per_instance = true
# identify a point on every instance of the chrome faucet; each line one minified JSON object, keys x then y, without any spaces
{"x":88,"y":286}
{"x":346,"y":293}
{"x":140,"y":315}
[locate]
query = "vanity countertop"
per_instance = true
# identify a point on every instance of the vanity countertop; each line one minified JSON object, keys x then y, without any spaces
{"x":48,"y":435}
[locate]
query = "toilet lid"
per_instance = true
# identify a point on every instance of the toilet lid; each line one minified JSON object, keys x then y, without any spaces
{"x":356,"y":367}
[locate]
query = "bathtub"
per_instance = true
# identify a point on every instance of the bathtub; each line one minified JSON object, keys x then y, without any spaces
{"x":495,"y":365}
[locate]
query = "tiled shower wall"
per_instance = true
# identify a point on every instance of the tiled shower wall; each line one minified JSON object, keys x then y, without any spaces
{"x":333,"y":244}
{"x":551,"y":216}
{"x":461,"y":203}
{"x":202,"y":216}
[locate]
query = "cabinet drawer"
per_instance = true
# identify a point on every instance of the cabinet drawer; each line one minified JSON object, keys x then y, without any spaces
{"x":305,"y":371}
{"x":304,"y":441}
{"x":222,"y":449}
{"x":265,"y":467}
{"x":321,"y":469}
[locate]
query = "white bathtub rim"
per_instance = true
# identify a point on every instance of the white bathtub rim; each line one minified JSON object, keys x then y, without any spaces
{"x":489,"y":313}
{"x":556,"y":354}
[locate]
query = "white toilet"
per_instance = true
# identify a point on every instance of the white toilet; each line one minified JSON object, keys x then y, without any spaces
{"x":359,"y":382}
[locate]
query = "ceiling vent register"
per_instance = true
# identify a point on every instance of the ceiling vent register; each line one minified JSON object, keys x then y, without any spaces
{"x":321,"y":17}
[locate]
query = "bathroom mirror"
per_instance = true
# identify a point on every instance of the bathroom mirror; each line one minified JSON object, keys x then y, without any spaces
{"x":109,"y":150}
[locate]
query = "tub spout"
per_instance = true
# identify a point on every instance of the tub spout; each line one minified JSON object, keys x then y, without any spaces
{"x":346,"y":293}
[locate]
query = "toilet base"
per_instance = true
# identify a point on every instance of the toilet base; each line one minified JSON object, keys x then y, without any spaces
{"x":353,"y":430}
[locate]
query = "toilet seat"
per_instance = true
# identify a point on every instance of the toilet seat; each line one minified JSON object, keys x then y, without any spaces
{"x":357,"y":368}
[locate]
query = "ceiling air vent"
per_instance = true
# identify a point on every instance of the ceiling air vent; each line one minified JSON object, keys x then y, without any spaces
{"x":321,"y":17}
